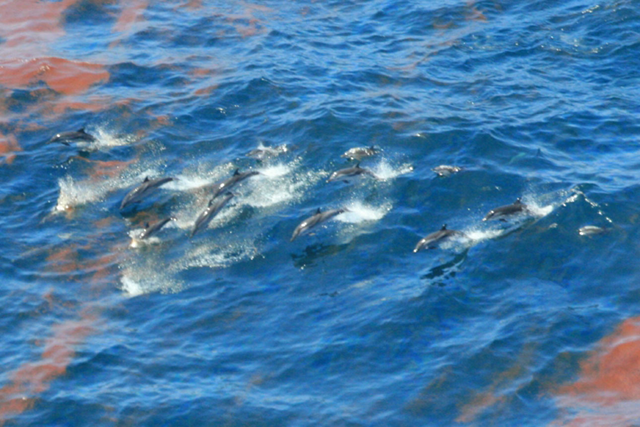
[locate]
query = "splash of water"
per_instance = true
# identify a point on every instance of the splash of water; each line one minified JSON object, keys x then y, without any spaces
{"x":359,"y":212}
{"x":386,"y":171}
{"x":143,"y":276}
{"x":213,"y":255}
{"x":74,"y":192}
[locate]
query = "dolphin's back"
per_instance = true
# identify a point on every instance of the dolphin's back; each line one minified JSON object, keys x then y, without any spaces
{"x":317,"y":218}
{"x":150,"y":231}
{"x":230,"y":182}
{"x":141,"y":190}
{"x":210,"y":212}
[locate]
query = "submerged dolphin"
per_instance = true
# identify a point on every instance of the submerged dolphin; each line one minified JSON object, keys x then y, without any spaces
{"x":228,"y":183}
{"x":445,"y":170}
{"x":66,"y":137}
{"x":261,"y":153}
{"x":506,"y":211}
{"x":210,"y":212}
{"x":142,"y":190}
{"x":317,"y":218}
{"x":358,"y":153}
{"x":588,"y":230}
{"x":153,"y":229}
{"x":436,"y":238}
{"x":350,"y":172}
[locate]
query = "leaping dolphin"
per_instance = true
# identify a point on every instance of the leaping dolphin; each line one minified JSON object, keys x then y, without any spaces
{"x":66,"y":137}
{"x":317,"y":218}
{"x":350,"y":172}
{"x":228,"y":183}
{"x":142,"y":190}
{"x":153,"y":229}
{"x":210,"y":212}
{"x":435,"y":238}
{"x":358,"y":153}
{"x":507,"y":211}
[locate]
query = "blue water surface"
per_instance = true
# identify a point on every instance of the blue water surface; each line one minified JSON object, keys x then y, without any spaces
{"x":345,"y":325}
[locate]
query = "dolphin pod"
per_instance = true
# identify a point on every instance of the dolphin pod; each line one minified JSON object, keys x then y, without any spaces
{"x":216,"y":203}
{"x":137,"y":194}
{"x":316,"y":219}
{"x":228,"y":183}
{"x":211,"y":211}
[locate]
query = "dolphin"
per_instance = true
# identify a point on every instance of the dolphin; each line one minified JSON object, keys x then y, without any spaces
{"x":350,"y":172}
{"x":142,"y":190}
{"x":66,"y":137}
{"x":317,"y":218}
{"x":228,"y":183}
{"x":153,"y":229}
{"x":436,"y":238}
{"x":210,"y":212}
{"x":261,"y":153}
{"x":588,"y":230}
{"x":358,"y":153}
{"x":444,"y":170}
{"x":506,"y":211}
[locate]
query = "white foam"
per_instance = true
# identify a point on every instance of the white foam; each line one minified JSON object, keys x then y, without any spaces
{"x":106,"y":139}
{"x":279,"y":184}
{"x":74,"y":192}
{"x":130,"y":287}
{"x":476,"y":235}
{"x":199,"y":178}
{"x":214,"y":255}
{"x":538,"y":210}
{"x":146,"y":275}
{"x":359,"y":212}
{"x":276,"y":170}
{"x":385,"y":171}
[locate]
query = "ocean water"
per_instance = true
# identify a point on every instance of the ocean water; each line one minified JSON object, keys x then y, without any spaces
{"x":524,"y":322}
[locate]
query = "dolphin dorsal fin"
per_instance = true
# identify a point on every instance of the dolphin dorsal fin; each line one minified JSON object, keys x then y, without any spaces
{"x":146,"y":179}
{"x":81,"y":130}
{"x":146,"y":225}
{"x":358,"y":165}
{"x":237,"y":172}
{"x":444,"y":227}
{"x":318,"y":211}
